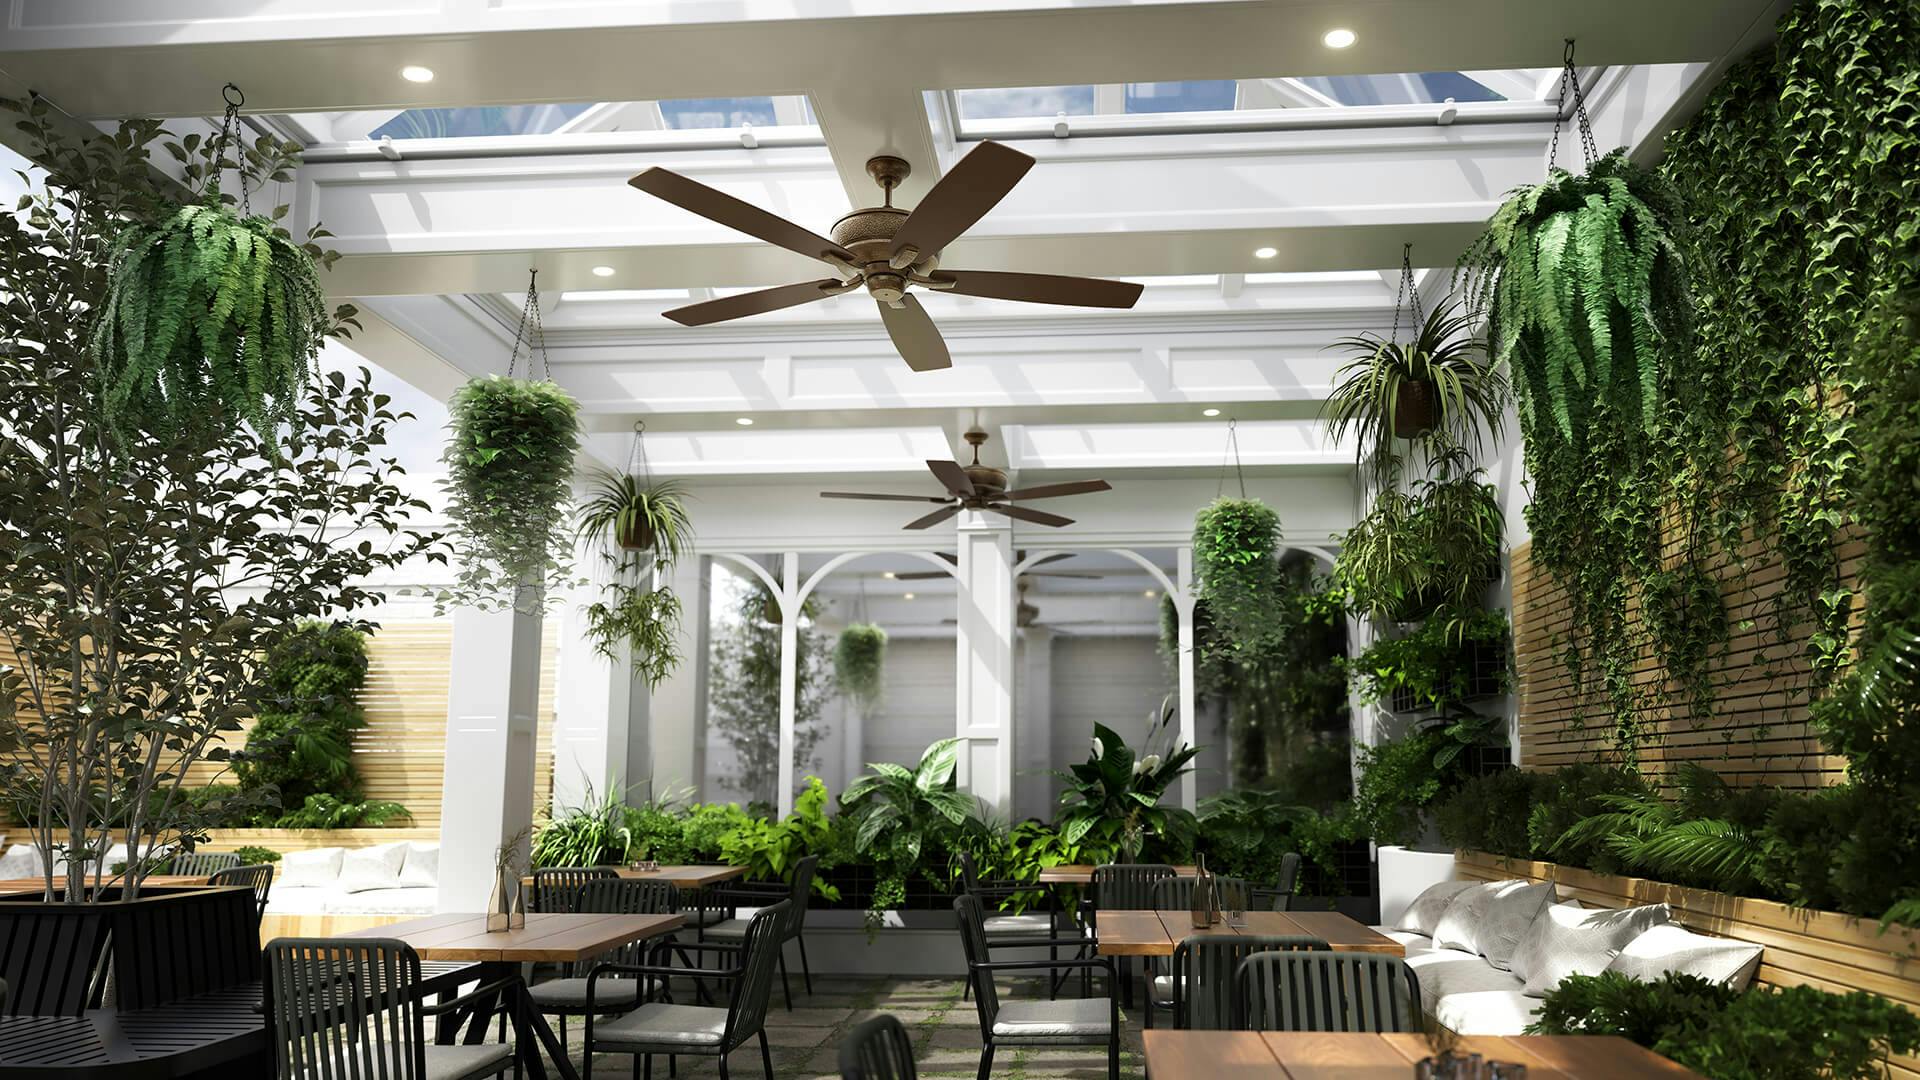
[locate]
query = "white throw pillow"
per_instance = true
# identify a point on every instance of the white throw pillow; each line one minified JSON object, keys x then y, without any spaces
{"x":1423,"y":915}
{"x":1508,"y":919}
{"x":422,"y":868}
{"x":21,"y":861}
{"x":318,"y":867}
{"x":1459,"y":926}
{"x":1675,"y":948}
{"x":1585,"y":942}
{"x":1521,"y":959}
{"x":377,"y":867}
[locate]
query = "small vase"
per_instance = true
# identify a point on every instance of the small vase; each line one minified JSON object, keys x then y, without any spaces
{"x":1206,"y":902}
{"x":517,"y":920}
{"x":499,"y":910}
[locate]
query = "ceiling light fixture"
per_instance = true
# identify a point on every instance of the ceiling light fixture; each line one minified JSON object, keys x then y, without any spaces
{"x":888,"y":574}
{"x":1209,"y":412}
{"x":1265,"y":252}
{"x":906,"y":596}
{"x":416,"y":73}
{"x":603,"y":271}
{"x":1339,"y":38}
{"x":744,"y":421}
{"x":1150,"y":594}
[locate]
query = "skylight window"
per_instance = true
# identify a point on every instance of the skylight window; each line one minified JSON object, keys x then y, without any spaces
{"x":551,"y":120}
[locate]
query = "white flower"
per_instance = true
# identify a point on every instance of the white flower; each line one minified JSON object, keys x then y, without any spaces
{"x":1151,"y":763}
{"x":1140,"y":767}
{"x":1099,"y":748}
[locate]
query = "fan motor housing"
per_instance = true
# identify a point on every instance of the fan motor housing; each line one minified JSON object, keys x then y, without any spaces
{"x":986,"y":479}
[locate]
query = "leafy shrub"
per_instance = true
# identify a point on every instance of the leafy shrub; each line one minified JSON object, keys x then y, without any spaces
{"x":1433,"y":663}
{"x":302,"y":741}
{"x":328,"y":812}
{"x":592,"y":834}
{"x":253,"y":855}
{"x":769,"y":850}
{"x":1398,"y":781}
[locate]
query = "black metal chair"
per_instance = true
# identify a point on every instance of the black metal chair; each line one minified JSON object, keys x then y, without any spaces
{"x":1201,"y":975}
{"x":351,"y":1007}
{"x":797,"y":892}
{"x":1333,"y":991}
{"x":662,"y":1027}
{"x":879,"y":1049}
{"x":1087,"y":1021}
{"x":1279,"y":896}
{"x":258,"y":877}
{"x":202,"y":863}
{"x":567,"y":995}
{"x":557,"y":888}
{"x":1123,"y":887}
{"x":1176,"y":894}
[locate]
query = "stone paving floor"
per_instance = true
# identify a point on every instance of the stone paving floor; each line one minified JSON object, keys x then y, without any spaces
{"x":946,"y":1032}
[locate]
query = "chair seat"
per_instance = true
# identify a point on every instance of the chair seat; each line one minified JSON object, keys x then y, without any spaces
{"x":1029,"y":925}
{"x":461,"y":1062}
{"x":1070,"y":1018}
{"x":617,"y":995}
{"x":729,"y":928}
{"x":705,"y":916}
{"x":656,"y":1024}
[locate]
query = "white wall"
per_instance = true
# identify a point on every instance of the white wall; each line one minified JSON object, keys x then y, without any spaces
{"x":1116,"y":681}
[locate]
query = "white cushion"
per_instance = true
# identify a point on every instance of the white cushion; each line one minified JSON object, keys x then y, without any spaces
{"x":1582,"y":942}
{"x":1459,"y":924}
{"x":659,"y":1024}
{"x":1412,"y":942}
{"x":1486,"y":1012}
{"x":422,"y":866}
{"x":1523,"y":952}
{"x":376,"y":867}
{"x":376,"y":901}
{"x":461,"y":1061}
{"x":1029,"y":925}
{"x":1449,"y":971}
{"x":1675,"y":948}
{"x":21,"y":861}
{"x":316,"y":866}
{"x":1068,"y":1018}
{"x":616,"y":994}
{"x":1424,"y":913}
{"x":1508,"y":919}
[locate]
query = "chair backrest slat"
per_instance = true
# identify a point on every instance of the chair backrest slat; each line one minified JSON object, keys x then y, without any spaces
{"x":1327,"y":992}
{"x":879,"y":1049}
{"x":345,"y":1009}
{"x":973,"y":942}
{"x":1176,"y":893}
{"x":557,"y":888}
{"x":1128,"y":886}
{"x":625,"y":896}
{"x":1204,"y":968}
{"x":258,"y":877}
{"x":203,"y":863}
{"x":760,"y":958}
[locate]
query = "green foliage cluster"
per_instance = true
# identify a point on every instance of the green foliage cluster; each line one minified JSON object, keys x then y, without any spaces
{"x":323,"y":811}
{"x":899,"y":814}
{"x":1246,"y":832}
{"x":254,"y":855}
{"x":211,"y":318}
{"x":1797,"y":1033}
{"x":1400,"y":782}
{"x":1436,"y":546}
{"x":859,"y":658}
{"x":640,"y":530}
{"x":1114,"y":796}
{"x":1434,"y":663}
{"x":301,"y":742}
{"x":509,"y":485}
{"x":1234,"y":543}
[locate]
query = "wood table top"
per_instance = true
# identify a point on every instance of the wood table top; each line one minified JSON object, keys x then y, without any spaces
{"x":1275,"y":1055}
{"x":1155,"y":933}
{"x":685,"y":877}
{"x":17,"y":886}
{"x":1082,"y":874}
{"x":546,"y":937}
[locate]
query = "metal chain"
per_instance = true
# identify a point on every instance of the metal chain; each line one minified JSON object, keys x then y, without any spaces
{"x":1232,"y":448}
{"x":230,"y":133}
{"x":1407,"y":294}
{"x":531,"y":332}
{"x":637,"y":456}
{"x":1570,"y":79}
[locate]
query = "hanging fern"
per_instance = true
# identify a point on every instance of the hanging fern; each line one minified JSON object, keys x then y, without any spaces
{"x":509,"y":470}
{"x":1585,"y":294}
{"x":858,"y":659}
{"x":210,"y":318}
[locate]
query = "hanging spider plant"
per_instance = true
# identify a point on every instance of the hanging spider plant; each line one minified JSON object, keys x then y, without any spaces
{"x":1437,"y":383}
{"x":624,"y":513}
{"x":642,"y":528}
{"x":1436,"y":545}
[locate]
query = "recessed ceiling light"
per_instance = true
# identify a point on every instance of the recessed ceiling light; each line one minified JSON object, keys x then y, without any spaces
{"x":906,"y":596}
{"x":1265,"y":252}
{"x":1340,"y":38}
{"x":744,"y":421}
{"x":1209,"y":412}
{"x":888,"y":574}
{"x":416,"y":73}
{"x":1150,"y":594}
{"x":603,"y":271}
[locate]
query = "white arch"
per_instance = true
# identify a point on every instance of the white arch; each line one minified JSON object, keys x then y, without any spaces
{"x":1146,"y":564}
{"x":760,"y":572}
{"x":838,"y":561}
{"x":1323,"y":553}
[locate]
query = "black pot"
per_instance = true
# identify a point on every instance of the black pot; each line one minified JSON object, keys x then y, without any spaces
{"x":1415,"y":410}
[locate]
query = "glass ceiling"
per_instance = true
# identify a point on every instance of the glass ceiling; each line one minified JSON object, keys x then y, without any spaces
{"x":509,"y":121}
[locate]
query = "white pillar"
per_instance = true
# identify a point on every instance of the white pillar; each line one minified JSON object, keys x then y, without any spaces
{"x":599,"y":706}
{"x":1034,"y":723}
{"x":492,"y":714}
{"x":1183,"y":601}
{"x":984,"y":671}
{"x":673,"y":751}
{"x":789,"y":675}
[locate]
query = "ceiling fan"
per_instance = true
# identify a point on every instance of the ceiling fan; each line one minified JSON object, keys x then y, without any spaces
{"x":981,"y":487}
{"x":1026,"y":615}
{"x":1018,"y":557}
{"x":889,"y":250}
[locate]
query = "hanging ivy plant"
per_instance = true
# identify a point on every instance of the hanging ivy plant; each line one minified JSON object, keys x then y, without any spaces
{"x":212,"y":316}
{"x":509,"y":470}
{"x":858,"y":660}
{"x":1234,"y":543}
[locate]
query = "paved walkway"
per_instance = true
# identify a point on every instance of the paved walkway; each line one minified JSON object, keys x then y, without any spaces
{"x":946,"y":1033}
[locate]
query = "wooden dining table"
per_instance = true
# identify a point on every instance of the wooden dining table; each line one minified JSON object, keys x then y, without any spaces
{"x":1307,"y":1055}
{"x":546,"y":937}
{"x":682,"y":877}
{"x":1082,"y":874}
{"x":29,"y":886}
{"x":1155,"y":933}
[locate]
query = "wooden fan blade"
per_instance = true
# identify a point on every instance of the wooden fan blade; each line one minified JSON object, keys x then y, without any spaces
{"x":1038,"y":517}
{"x":953,"y":476}
{"x":971,"y":188}
{"x":1042,"y":288}
{"x":1054,"y":491}
{"x":922,"y":575}
{"x":1074,"y":574}
{"x":1045,"y":559}
{"x":720,"y":207}
{"x":934,"y":518}
{"x":916,"y":337}
{"x":883,"y":498}
{"x":754,"y":303}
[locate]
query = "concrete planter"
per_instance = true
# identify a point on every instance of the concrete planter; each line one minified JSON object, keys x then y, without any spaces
{"x":1405,"y":874}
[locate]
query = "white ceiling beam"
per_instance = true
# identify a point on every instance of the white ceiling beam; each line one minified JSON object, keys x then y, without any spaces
{"x":123,"y":58}
{"x":861,"y":120}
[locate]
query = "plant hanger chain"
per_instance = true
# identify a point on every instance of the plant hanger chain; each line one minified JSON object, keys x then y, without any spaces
{"x":230,"y":134}
{"x":1407,"y":295}
{"x":1232,"y":448}
{"x":1570,"y":79}
{"x":637,"y":456}
{"x":532,"y":332}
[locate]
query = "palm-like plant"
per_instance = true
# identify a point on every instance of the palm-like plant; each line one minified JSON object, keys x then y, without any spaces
{"x":1114,"y":797}
{"x":1649,"y":833}
{"x":1437,"y":383}
{"x":898,"y":812}
{"x":624,"y":513}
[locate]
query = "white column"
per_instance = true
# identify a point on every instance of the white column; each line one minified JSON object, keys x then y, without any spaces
{"x":492,"y":713}
{"x":789,"y":674}
{"x":599,"y":706}
{"x":1183,"y":601}
{"x":1034,"y":724}
{"x":674,"y":715}
{"x":984,"y":671}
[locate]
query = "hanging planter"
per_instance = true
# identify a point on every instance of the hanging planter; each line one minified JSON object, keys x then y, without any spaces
{"x":1414,"y":414}
{"x":1234,"y":542}
{"x":509,"y":479}
{"x":213,"y":316}
{"x":641,"y":528}
{"x":637,"y":516}
{"x":1435,"y":546}
{"x":859,"y":657}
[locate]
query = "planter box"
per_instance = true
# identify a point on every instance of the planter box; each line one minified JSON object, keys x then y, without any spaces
{"x":171,"y":943}
{"x":1405,"y":874}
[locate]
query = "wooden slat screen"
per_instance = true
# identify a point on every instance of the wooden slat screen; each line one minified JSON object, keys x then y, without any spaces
{"x":1758,"y":730}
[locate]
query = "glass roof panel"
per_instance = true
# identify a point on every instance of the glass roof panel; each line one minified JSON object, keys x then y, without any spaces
{"x":1213,"y":95}
{"x":1408,"y":89}
{"x":548,"y":120}
{"x":1018,"y":102}
{"x":486,"y":121}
